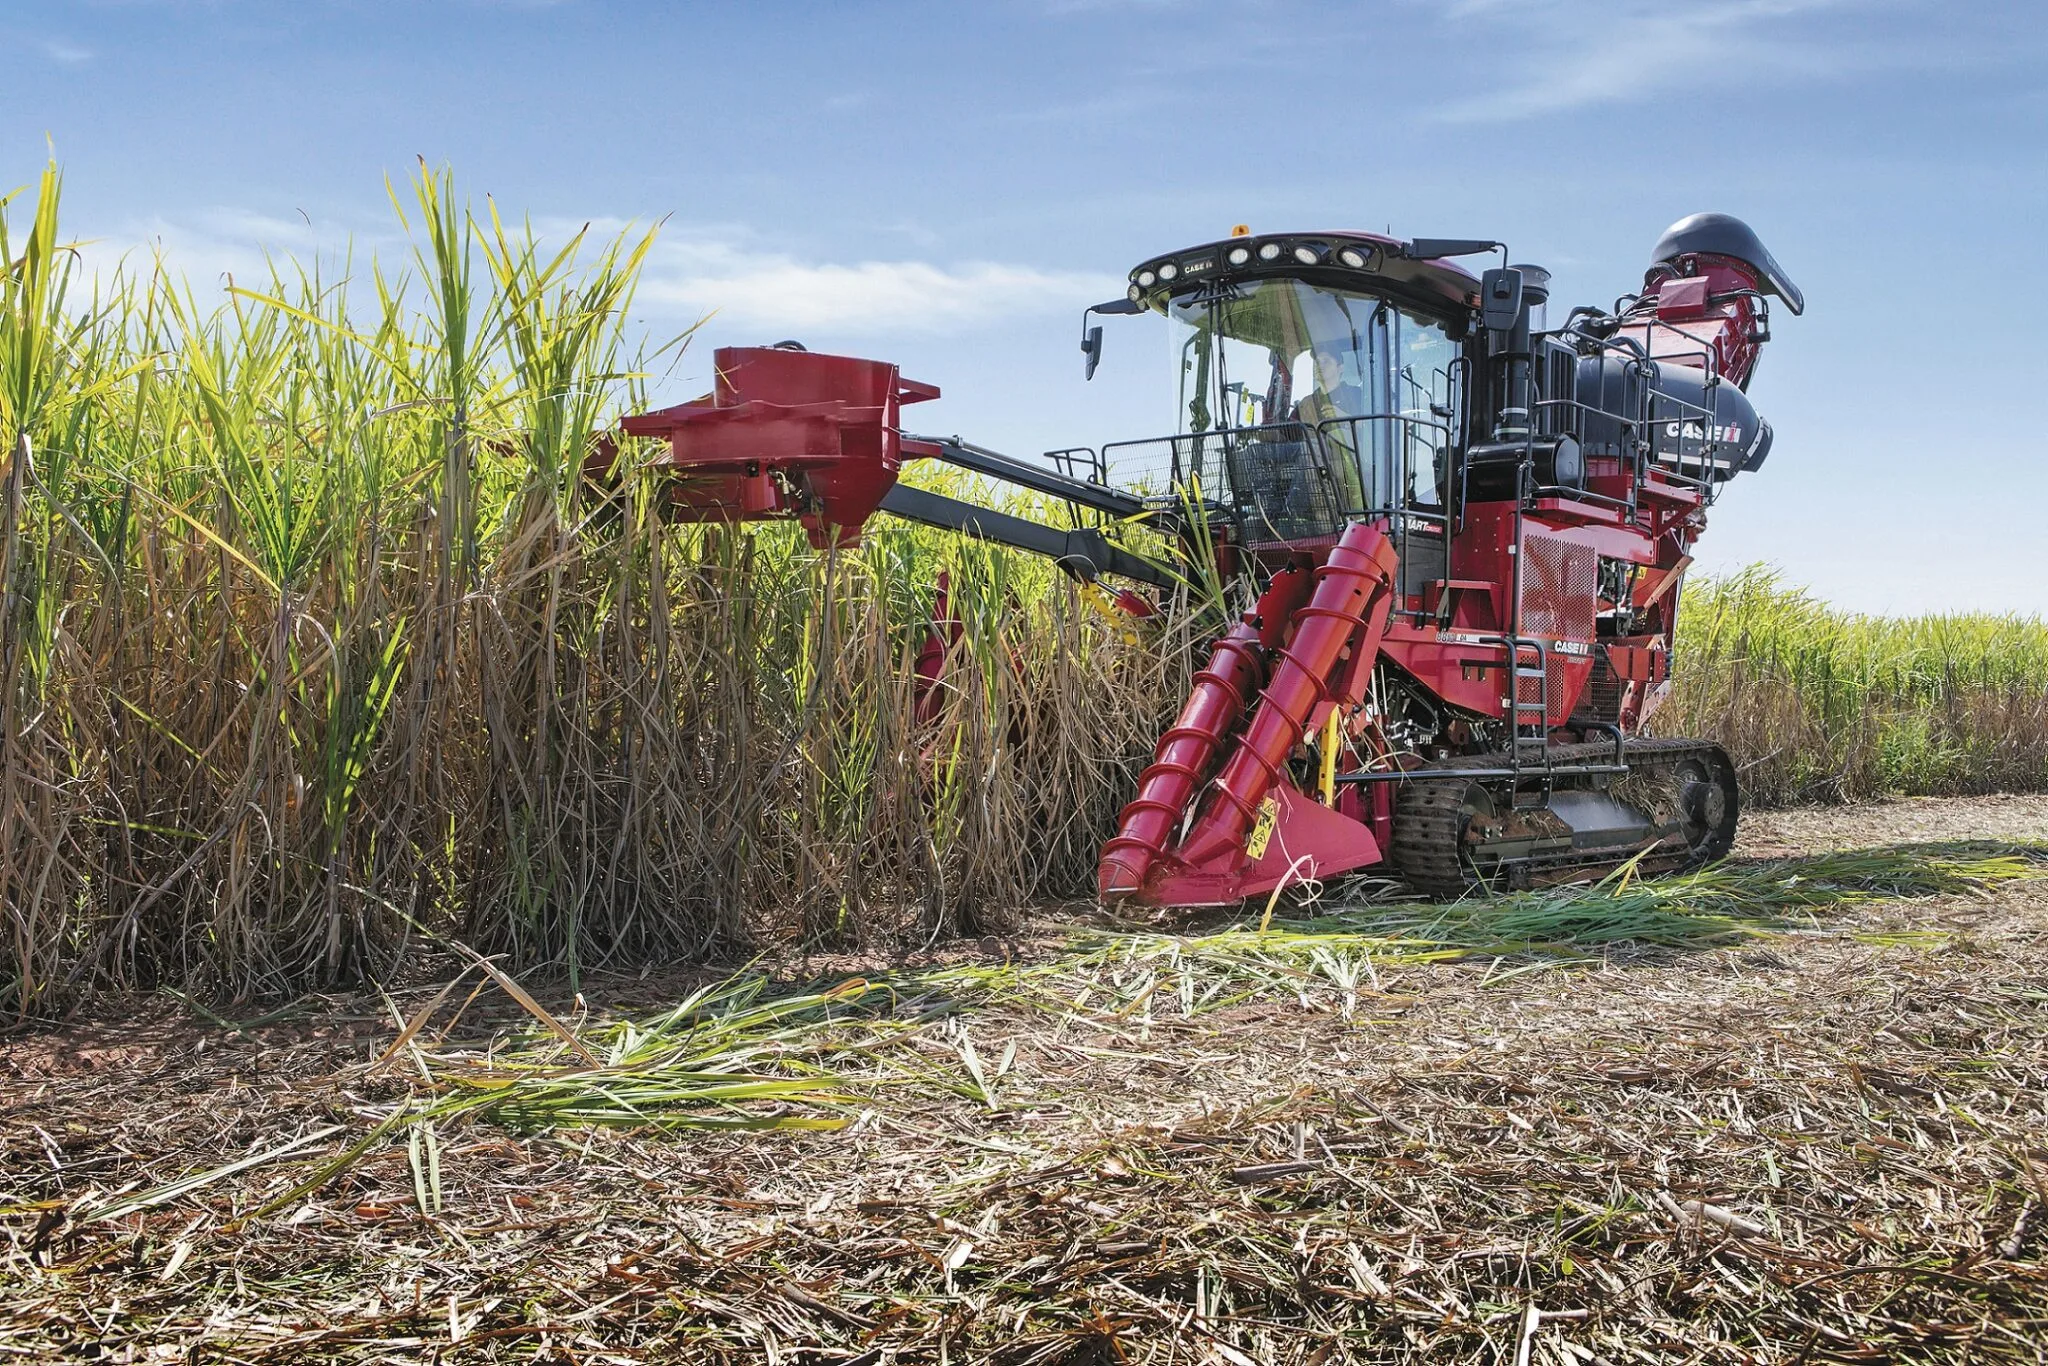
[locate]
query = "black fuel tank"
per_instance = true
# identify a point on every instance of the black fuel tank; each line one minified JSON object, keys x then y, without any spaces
{"x":1691,"y":428}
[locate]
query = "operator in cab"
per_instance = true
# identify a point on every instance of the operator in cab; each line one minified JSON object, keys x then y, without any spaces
{"x":1333,"y":392}
{"x":1330,"y":400}
{"x":1332,"y":395}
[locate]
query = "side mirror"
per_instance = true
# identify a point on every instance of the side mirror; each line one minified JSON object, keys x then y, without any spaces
{"x":1500,"y":298}
{"x":1091,"y":337}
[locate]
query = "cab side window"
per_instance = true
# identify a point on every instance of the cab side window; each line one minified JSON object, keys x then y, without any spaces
{"x":1425,"y":401}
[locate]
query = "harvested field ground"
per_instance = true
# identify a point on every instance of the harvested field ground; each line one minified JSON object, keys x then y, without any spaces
{"x":1825,"y":1143}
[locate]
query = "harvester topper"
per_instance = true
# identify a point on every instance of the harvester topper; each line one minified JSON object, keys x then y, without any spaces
{"x":1462,"y":534}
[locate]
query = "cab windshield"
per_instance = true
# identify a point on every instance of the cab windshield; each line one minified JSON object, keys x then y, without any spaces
{"x":1377,"y":382}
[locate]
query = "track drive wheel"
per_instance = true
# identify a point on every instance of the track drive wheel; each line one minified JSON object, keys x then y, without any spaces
{"x":1703,"y":783}
{"x":1430,"y":821}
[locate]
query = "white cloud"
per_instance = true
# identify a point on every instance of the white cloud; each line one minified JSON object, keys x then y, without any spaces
{"x":1570,"y":57}
{"x":65,"y":53}
{"x":689,"y":273}
{"x":1062,"y":8}
{"x":208,"y":247}
{"x":780,"y":292}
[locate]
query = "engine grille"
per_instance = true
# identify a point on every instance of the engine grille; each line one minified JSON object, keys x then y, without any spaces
{"x":1559,"y":580}
{"x":1557,"y":375}
{"x":1602,"y":699}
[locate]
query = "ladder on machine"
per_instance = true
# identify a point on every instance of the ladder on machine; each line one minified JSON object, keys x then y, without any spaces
{"x":1529,"y":758}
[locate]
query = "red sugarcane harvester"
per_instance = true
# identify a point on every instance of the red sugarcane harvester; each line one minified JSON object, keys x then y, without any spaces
{"x":1461,"y":533}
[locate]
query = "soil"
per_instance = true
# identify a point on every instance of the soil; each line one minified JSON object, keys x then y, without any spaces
{"x":1898,"y":820}
{"x":1830,"y":1143}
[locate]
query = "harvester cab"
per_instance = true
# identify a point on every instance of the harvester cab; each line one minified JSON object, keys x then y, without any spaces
{"x":1460,"y":532}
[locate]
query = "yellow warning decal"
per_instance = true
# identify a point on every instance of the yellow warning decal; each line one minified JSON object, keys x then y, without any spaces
{"x":1262,"y":828}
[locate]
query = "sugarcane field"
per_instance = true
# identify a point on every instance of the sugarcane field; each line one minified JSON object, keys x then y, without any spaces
{"x":613,"y":756}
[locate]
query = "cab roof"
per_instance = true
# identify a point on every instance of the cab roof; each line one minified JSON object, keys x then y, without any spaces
{"x":1369,"y":263}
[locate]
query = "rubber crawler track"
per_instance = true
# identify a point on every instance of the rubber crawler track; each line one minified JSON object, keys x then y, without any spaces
{"x":1429,"y":854}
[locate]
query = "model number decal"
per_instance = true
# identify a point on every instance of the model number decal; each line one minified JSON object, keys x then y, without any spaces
{"x":1561,"y":647}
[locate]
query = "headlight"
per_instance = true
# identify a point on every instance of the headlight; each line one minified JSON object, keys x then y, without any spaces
{"x":1145,"y":279}
{"x":1352,"y":257}
{"x":1270,"y":252}
{"x":1168,"y":271}
{"x":1137,"y":294}
{"x":1309,"y":256}
{"x":1239,"y":255}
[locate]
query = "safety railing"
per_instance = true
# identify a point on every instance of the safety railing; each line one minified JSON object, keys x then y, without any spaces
{"x":1082,"y":463}
{"x":1276,"y":481}
{"x":1385,"y":449}
{"x":1673,"y":434}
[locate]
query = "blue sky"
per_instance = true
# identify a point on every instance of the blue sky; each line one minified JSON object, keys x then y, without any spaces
{"x":947,"y":185}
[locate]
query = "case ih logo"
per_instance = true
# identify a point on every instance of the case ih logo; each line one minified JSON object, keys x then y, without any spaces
{"x":1695,"y":431}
